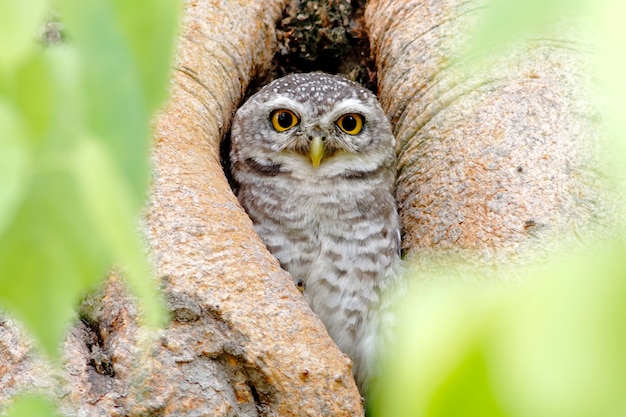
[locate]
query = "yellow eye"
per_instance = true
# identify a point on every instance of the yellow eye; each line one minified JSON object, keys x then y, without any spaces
{"x":283,"y":119}
{"x":350,"y":123}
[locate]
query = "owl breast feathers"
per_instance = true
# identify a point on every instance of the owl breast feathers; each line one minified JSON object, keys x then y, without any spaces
{"x":314,"y":158}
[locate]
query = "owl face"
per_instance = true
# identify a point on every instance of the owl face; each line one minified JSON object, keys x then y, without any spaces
{"x":315,"y":123}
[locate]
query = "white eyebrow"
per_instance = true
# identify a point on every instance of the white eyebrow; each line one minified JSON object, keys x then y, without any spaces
{"x":348,"y":106}
{"x":285,"y":102}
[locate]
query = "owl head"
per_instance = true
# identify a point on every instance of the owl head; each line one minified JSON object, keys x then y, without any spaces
{"x":312,"y":124}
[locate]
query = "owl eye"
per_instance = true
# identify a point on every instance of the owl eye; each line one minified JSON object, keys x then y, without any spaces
{"x":350,"y":123}
{"x":283,"y":119}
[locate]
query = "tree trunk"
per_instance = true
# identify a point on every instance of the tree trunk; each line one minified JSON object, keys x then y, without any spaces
{"x":498,"y":159}
{"x":243,"y":337}
{"x":491,"y":164}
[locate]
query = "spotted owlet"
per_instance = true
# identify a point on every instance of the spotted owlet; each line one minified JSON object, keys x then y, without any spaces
{"x":314,"y":158}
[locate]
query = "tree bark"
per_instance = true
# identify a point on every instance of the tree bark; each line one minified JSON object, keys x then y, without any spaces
{"x":497,"y":160}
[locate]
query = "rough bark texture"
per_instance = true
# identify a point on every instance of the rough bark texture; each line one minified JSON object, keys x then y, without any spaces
{"x":493,"y":159}
{"x":244,"y":340}
{"x":20,"y":368}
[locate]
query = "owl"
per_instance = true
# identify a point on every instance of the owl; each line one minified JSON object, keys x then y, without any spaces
{"x":313,"y":155}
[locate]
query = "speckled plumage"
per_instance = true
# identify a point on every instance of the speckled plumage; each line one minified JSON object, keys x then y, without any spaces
{"x":334,"y":227}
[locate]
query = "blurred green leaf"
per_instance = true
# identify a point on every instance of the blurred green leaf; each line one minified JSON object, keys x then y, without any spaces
{"x":74,"y":142}
{"x":505,"y":21}
{"x":555,"y":348}
{"x":32,"y":90}
{"x":19,"y":20}
{"x":562,"y":349}
{"x":114,"y":104}
{"x":610,"y":67}
{"x":467,"y":390}
{"x":13,"y":163}
{"x":439,"y":367}
{"x":49,"y":256}
{"x":109,"y":202}
{"x":125,"y":73}
{"x":151,"y":49}
{"x":31,"y":406}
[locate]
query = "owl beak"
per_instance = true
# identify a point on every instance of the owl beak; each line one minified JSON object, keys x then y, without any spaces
{"x":316,"y":152}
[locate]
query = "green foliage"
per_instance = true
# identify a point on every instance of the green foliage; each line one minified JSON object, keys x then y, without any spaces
{"x":74,"y":138}
{"x":29,"y":406}
{"x":507,"y":20}
{"x":19,"y":23}
{"x":555,"y":347}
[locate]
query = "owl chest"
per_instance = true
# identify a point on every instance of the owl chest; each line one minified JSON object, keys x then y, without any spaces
{"x":318,"y":210}
{"x":311,"y":221}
